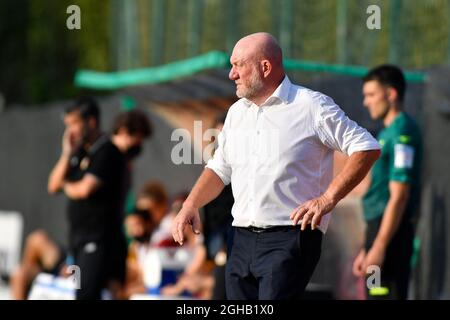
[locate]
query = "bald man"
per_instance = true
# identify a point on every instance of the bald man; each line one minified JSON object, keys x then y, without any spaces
{"x":276,"y":149}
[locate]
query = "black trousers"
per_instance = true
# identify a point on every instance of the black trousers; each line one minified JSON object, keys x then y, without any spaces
{"x":91,"y":258}
{"x":396,"y":269}
{"x":101,"y":261}
{"x":272,"y":265}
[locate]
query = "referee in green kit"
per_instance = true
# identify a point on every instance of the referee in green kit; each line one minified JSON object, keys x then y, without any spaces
{"x":391,"y":203}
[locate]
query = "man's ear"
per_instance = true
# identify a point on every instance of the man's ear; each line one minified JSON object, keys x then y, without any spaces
{"x":92,"y":122}
{"x":392,"y":94}
{"x":266,"y":67}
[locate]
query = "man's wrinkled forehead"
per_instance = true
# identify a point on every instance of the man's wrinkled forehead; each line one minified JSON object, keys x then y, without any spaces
{"x":236,"y":60}
{"x":241,"y":53}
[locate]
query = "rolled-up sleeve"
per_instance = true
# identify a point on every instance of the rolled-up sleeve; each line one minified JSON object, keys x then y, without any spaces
{"x":338,"y":132}
{"x":218,"y":163}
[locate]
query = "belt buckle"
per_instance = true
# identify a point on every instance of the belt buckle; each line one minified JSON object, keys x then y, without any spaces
{"x":256,"y":229}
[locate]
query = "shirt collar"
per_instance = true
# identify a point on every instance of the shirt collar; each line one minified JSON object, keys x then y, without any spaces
{"x":281,"y":93}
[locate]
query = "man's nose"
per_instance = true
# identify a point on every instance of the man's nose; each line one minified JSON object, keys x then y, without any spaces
{"x":232,"y":74}
{"x":365,"y":103}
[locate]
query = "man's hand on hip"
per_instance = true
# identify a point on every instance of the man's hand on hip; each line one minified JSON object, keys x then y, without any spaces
{"x":355,"y":169}
{"x":312,"y":211}
{"x":187,"y":215}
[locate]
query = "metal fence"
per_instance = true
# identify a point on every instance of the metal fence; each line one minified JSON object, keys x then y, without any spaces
{"x":413,"y":33}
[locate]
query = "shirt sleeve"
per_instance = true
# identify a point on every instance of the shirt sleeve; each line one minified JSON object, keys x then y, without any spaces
{"x":402,"y":161}
{"x":218,"y":163}
{"x":339,"y":132}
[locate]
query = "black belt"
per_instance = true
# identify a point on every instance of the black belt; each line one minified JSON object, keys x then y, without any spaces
{"x":269,"y":229}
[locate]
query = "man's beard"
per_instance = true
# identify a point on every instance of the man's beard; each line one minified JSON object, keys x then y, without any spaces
{"x":254,"y":87}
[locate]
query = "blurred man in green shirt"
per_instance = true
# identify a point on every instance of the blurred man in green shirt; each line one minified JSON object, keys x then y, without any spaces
{"x":392,"y":199}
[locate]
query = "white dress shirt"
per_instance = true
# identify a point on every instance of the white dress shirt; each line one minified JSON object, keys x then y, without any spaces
{"x":280,"y":154}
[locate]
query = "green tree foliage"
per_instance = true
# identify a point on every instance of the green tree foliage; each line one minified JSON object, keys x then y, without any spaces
{"x":39,"y":55}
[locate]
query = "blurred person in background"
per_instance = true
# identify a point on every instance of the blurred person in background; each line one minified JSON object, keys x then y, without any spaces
{"x":139,"y":226}
{"x":40,"y":254}
{"x":392,"y":200}
{"x":129,"y":131}
{"x":153,"y":197}
{"x":92,"y":171}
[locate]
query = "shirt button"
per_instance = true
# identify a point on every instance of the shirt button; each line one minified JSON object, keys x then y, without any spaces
{"x":257,"y":132}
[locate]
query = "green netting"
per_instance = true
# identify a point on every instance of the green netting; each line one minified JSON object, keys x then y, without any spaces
{"x":356,"y":71}
{"x":171,"y":71}
{"x":208,"y":61}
